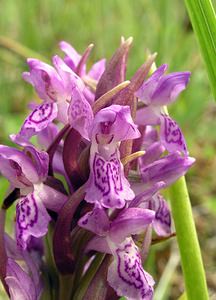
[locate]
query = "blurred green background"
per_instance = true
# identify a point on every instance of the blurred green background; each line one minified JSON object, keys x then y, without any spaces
{"x":159,"y":25}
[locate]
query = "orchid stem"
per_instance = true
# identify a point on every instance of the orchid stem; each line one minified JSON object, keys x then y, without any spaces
{"x":191,"y":259}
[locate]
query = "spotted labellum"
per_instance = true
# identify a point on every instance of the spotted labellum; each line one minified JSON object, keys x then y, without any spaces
{"x":89,"y":189}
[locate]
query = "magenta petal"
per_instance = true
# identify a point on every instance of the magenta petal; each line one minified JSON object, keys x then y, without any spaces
{"x":171,"y":135}
{"x":130,"y":221}
{"x":20,"y":140}
{"x":126,"y":275}
{"x":72,"y":57}
{"x":47,"y":135}
{"x":89,"y":95}
{"x":168,"y":169}
{"x":169,"y":87}
{"x":147,"y":89}
{"x":96,"y":221}
{"x":45,"y":80}
{"x":69,"y":77}
{"x":107,"y":185}
{"x":153,"y":152}
{"x":147,"y":116}
{"x":116,"y":121}
{"x":162,"y":221}
{"x":17,"y":167}
{"x":40,"y":160}
{"x":80,"y":114}
{"x":147,"y":194}
{"x":51,"y":198}
{"x":150,"y":136}
{"x":63,"y":111}
{"x":99,"y":244}
{"x":38,"y":120}
{"x":97,"y":69}
{"x":31,"y":219}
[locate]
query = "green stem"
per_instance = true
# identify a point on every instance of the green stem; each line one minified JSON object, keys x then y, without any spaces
{"x":191,"y":260}
{"x":203,"y":19}
{"x":66,"y":284}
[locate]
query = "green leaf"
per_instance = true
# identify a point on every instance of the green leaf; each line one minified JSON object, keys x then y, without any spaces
{"x":191,"y":259}
{"x":203,"y":19}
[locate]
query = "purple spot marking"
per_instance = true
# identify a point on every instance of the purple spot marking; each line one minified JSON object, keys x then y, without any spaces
{"x":162,"y":213}
{"x":26,"y":213}
{"x":130,"y":270}
{"x":172,"y":132}
{"x":107,"y":174}
{"x":41,"y":113}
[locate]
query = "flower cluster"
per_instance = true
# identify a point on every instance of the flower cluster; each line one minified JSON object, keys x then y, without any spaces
{"x":105,"y":149}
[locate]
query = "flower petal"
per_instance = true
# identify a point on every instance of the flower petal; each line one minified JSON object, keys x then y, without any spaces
{"x":147,"y":89}
{"x":51,"y":198}
{"x":47,"y":135}
{"x":116,"y":121}
{"x":147,"y":194}
{"x":162,"y":221}
{"x":96,"y":221}
{"x":168,"y":169}
{"x":169,"y":87}
{"x":80,"y":114}
{"x":68,"y":76}
{"x":38,"y":120}
{"x":99,"y":244}
{"x":150,"y":136}
{"x":45,"y":80}
{"x":40,"y":160}
{"x":107,"y":185}
{"x":31,"y":219}
{"x":72,"y":57}
{"x":147,"y":116}
{"x":153,"y":152}
{"x":17,"y":167}
{"x":130,"y":221}
{"x":126,"y":275}
{"x":171,"y":136}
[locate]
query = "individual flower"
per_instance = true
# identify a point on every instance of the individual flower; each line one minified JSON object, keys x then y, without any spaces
{"x":167,"y":168}
{"x":107,"y":185}
{"x":53,"y":85}
{"x":159,"y":172}
{"x":27,"y":170}
{"x":125,"y":274}
{"x":160,"y":90}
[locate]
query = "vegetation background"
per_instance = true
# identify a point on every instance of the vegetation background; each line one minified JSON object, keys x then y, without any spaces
{"x":162,"y":26}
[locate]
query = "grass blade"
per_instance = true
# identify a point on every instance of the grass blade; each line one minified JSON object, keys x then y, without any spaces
{"x":203,"y":19}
